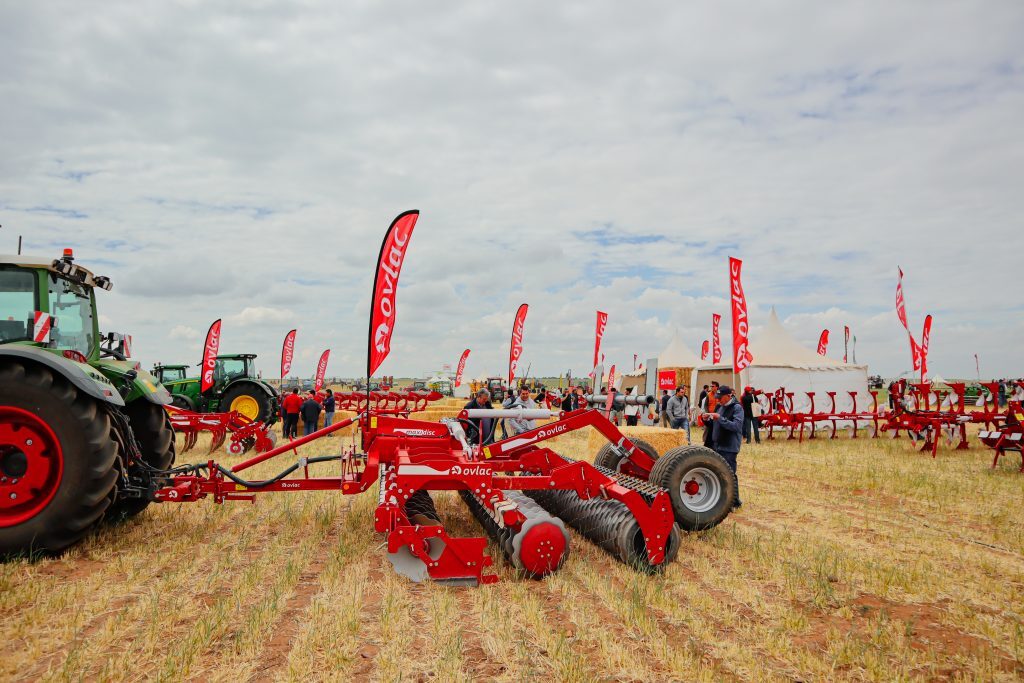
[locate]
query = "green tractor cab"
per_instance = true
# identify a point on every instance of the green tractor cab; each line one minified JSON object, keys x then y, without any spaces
{"x":236,"y":386}
{"x":81,"y":424}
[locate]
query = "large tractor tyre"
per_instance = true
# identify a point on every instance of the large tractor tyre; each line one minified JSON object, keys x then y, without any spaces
{"x":183,"y":402}
{"x":700,"y":484}
{"x":155,"y":437}
{"x":606,"y":457}
{"x":249,"y":399}
{"x":57,"y":458}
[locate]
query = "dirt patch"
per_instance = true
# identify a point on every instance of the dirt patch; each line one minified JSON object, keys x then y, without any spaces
{"x":923,"y":623}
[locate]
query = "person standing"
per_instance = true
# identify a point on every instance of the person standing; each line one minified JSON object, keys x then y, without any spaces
{"x":480,"y":430}
{"x":614,"y":415}
{"x":702,"y":398}
{"x":519,"y":425}
{"x":329,"y":404}
{"x":709,"y":406}
{"x":632,"y":412}
{"x":569,"y":401}
{"x":750,"y":421}
{"x":310,"y":413}
{"x":678,"y":411}
{"x":664,"y":408}
{"x":727,"y":431}
{"x":290,"y":406}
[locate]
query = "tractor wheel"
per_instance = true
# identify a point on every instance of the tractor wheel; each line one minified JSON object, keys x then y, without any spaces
{"x":183,"y":402}
{"x":700,"y":484}
{"x":57,"y":457}
{"x":155,"y":436}
{"x":250,"y":400}
{"x":606,"y":457}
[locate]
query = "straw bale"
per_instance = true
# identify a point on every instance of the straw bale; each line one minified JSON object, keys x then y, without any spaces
{"x":661,"y":438}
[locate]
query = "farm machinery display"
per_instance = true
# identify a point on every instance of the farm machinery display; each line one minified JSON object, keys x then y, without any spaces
{"x":236,"y":388}
{"x":631,"y":502}
{"x":924,"y":411}
{"x":80,"y":423}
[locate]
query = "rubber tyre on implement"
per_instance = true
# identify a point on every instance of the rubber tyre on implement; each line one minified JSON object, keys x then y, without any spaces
{"x":700,"y":484}
{"x":250,"y":400}
{"x":606,"y":457}
{"x":183,"y":402}
{"x":155,"y":436}
{"x":77,"y":449}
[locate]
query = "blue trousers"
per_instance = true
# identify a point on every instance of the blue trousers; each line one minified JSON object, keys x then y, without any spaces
{"x":731,"y":459}
{"x":682,"y":423}
{"x":308,"y":428}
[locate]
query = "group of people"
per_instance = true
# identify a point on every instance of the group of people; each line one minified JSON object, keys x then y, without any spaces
{"x":676,"y":412}
{"x":294,"y":406}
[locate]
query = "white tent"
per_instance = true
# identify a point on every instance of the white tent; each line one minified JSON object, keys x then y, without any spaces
{"x":678,"y":355}
{"x":781,"y":362}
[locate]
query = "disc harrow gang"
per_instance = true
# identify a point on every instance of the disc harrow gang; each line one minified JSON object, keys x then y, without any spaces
{"x":539,"y":547}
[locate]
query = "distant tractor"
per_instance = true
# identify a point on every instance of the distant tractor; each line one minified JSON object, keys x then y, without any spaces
{"x":80,"y":424}
{"x":495,"y":385}
{"x":236,"y":387}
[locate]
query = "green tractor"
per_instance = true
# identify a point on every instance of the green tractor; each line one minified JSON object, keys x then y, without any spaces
{"x":236,"y":387}
{"x":81,"y":426}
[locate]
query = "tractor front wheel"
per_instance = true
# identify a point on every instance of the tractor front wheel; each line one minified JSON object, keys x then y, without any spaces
{"x":250,"y":400}
{"x":57,"y":459}
{"x":700,"y":483}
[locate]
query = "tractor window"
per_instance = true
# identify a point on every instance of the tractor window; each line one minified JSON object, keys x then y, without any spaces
{"x":231,"y":368}
{"x":172,"y":374}
{"x":17,"y":304}
{"x":71,"y":308}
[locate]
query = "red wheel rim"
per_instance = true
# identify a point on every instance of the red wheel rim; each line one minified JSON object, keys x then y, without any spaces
{"x":31,"y":465}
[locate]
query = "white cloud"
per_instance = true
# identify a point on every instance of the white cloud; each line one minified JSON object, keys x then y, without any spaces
{"x":184,"y":332}
{"x":260,"y":315}
{"x":244,"y":165}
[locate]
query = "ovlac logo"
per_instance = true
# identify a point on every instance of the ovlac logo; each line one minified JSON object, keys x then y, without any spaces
{"x":557,"y":429}
{"x":470,"y":471}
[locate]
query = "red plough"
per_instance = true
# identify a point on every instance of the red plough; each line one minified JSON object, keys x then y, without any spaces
{"x":245,"y":433}
{"x":395,"y":402}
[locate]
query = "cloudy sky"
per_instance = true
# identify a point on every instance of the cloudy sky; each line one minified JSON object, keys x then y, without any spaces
{"x":243,"y":159}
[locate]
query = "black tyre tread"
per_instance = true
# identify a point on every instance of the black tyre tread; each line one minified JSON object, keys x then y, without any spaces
{"x":84,"y":503}
{"x":606,"y":457}
{"x":182,"y":401}
{"x":262,"y":396}
{"x":153,"y":432}
{"x":676,"y":459}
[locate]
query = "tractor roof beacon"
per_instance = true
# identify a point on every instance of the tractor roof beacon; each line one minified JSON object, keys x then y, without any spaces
{"x":80,"y":422}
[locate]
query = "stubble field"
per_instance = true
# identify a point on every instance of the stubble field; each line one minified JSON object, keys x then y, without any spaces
{"x":850,"y":560}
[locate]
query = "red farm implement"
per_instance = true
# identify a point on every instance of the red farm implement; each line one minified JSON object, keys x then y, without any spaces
{"x":245,"y":434}
{"x":924,"y":411}
{"x":395,"y":402}
{"x":1003,"y":432}
{"x":523,"y":493}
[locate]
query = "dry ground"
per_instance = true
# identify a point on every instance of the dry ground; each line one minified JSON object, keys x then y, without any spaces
{"x":850,"y":560}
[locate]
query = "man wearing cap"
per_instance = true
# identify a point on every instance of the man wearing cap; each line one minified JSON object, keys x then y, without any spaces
{"x":727,"y":430}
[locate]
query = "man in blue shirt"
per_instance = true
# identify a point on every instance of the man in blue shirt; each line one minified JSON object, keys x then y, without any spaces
{"x":727,"y":430}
